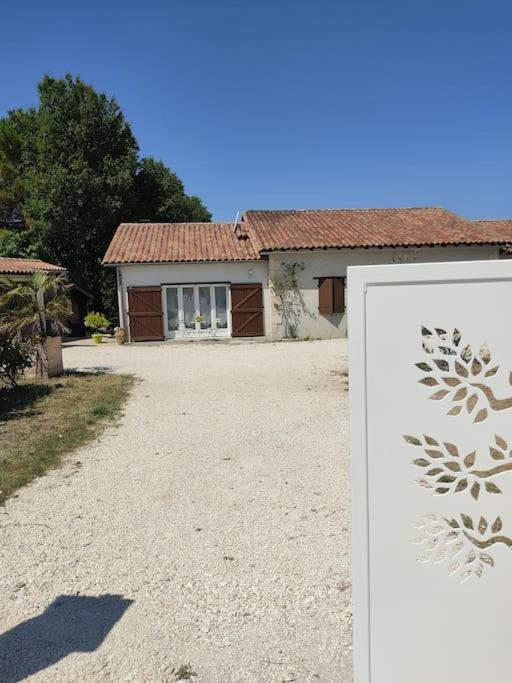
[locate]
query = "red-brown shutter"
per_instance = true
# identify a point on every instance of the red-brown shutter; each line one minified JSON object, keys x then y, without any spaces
{"x":331,"y":295}
{"x":338,"y":295}
{"x":325,"y":295}
{"x":145,"y":313}
{"x":247,"y":310}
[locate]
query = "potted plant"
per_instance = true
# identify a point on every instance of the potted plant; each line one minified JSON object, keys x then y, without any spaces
{"x":37,"y":310}
{"x":98,"y":324}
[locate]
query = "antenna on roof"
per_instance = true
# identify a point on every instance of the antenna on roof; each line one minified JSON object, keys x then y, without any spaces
{"x":235,"y":225}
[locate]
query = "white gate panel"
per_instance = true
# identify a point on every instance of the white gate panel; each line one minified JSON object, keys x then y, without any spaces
{"x":430,"y":350}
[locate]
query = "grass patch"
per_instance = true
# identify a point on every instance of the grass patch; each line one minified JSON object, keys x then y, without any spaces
{"x":41,"y":422}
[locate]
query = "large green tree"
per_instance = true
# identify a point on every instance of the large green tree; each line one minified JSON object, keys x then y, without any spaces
{"x":70,"y":169}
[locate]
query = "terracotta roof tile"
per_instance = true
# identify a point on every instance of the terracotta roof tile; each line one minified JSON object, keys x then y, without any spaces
{"x":179,"y":242}
{"x":263,"y":231}
{"x":351,"y":228}
{"x":19,"y":266}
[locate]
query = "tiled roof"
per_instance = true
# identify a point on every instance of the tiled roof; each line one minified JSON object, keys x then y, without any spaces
{"x":264,"y":231}
{"x":21,"y":266}
{"x":179,"y":242}
{"x":351,"y":228}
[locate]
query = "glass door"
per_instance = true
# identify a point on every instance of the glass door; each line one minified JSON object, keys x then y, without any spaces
{"x":197,"y":310}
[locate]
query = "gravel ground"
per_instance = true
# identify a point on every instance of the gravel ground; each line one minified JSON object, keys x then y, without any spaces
{"x":210,"y":528}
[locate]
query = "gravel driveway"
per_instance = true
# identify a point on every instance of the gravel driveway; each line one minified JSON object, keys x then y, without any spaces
{"x":210,"y":528}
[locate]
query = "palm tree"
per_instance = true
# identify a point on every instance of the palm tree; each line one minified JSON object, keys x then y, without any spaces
{"x":37,"y":309}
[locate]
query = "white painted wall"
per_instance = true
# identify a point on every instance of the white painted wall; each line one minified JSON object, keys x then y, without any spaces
{"x":150,"y":275}
{"x":334,"y":262}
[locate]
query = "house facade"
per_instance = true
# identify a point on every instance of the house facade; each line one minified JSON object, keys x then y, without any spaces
{"x":275,"y":274}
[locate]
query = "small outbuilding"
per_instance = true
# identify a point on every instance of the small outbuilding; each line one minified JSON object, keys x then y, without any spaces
{"x":79,"y":299}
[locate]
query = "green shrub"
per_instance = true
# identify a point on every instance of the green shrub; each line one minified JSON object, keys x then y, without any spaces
{"x":15,"y":356}
{"x":96,"y":321}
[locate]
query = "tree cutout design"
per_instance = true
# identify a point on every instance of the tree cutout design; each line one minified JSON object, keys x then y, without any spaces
{"x":460,"y":376}
{"x":465,"y":548}
{"x":445,"y":471}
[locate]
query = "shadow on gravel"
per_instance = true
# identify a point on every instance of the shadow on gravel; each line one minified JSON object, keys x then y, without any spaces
{"x":72,"y":623}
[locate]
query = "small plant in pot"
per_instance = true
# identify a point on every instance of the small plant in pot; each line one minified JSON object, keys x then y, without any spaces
{"x":98,"y":324}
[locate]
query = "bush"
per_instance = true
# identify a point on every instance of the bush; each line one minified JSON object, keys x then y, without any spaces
{"x":15,"y":357}
{"x":96,"y":321}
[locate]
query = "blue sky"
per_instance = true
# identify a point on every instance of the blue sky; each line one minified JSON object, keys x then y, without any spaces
{"x":293,"y":104}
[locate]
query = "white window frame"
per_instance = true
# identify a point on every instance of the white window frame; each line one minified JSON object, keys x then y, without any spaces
{"x":187,"y":333}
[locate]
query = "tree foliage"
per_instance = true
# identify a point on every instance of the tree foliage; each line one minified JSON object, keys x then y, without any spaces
{"x":70,"y":169}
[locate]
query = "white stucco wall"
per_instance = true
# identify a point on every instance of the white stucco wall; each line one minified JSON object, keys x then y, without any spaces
{"x":150,"y":275}
{"x":332,"y":262}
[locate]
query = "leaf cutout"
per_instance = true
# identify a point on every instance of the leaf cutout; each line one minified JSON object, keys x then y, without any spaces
{"x":453,"y":466}
{"x":441,"y":333}
{"x":466,"y":354}
{"x":446,"y":479}
{"x":476,"y":367}
{"x":447,"y":351}
{"x":500,"y":441}
{"x":425,"y":332}
{"x":442,"y":364}
{"x":427,"y":348}
{"x":439,"y":394}
{"x":487,"y":559}
{"x":451,"y":381}
{"x":481,"y":415}
{"x":469,"y":460}
{"x":424,"y":366}
{"x":467,"y":521}
{"x":452,"y":449}
{"x":460,"y":394}
{"x":492,"y":371}
{"x":453,"y":568}
{"x":441,"y":491}
{"x":413,"y":440}
{"x":434,"y":454}
{"x":461,"y":485}
{"x":456,"y":337}
{"x":455,"y":410}
{"x":496,"y":454}
{"x":497,"y":525}
{"x":475,"y":490}
{"x":471,"y":556}
{"x":490,"y":487}
{"x":460,"y":369}
{"x":421,"y":462}
{"x":431,"y":441}
{"x":482,"y":526}
{"x":429,"y":381}
{"x":471,"y":402}
{"x":453,"y":523}
{"x":434,"y":471}
{"x":424,"y":483}
{"x":485,"y":354}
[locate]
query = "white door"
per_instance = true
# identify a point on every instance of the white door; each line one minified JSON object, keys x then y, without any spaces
{"x":430,"y":350}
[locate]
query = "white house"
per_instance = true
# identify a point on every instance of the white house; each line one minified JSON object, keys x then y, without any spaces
{"x":275,"y":273}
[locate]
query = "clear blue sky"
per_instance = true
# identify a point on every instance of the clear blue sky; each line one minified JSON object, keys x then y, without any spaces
{"x":293,"y":103}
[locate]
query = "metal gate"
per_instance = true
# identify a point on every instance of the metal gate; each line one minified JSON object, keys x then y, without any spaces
{"x":430,"y":350}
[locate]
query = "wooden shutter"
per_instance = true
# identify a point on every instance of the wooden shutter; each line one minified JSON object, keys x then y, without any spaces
{"x":338,"y":295}
{"x":247,"y":310}
{"x":325,"y":295}
{"x":145,"y":313}
{"x":331,"y":295}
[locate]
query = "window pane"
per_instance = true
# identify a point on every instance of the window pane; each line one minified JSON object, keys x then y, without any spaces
{"x":172,"y":309}
{"x":205,"y":308}
{"x":189,"y":309}
{"x":221,"y":308}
